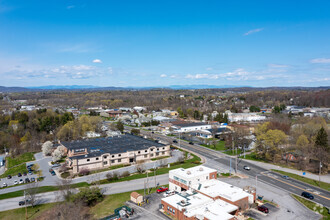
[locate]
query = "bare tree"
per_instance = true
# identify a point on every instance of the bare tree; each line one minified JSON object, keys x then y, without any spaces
{"x":31,"y":192}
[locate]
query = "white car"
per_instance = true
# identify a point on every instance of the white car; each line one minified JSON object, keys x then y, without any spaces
{"x":246,"y":168}
{"x":21,"y":181}
{"x":15,"y":182}
{"x":4,"y":184}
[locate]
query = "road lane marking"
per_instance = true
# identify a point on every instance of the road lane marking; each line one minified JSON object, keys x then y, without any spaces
{"x":297,"y":187}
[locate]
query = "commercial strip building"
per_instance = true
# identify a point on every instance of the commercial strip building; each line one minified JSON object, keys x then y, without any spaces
{"x":202,"y":196}
{"x":182,"y":126}
{"x":100,"y":153}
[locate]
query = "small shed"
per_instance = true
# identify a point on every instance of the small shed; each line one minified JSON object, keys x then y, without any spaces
{"x":136,"y":197}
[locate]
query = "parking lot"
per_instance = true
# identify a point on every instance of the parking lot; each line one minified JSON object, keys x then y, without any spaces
{"x":5,"y":182}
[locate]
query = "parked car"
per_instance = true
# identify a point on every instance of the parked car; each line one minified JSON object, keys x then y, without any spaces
{"x":162,"y":189}
{"x":24,"y":174}
{"x":246,"y":168}
{"x":263,"y":209}
{"x":4,"y":185}
{"x":192,"y":143}
{"x":19,"y":174}
{"x":286,"y":177}
{"x":21,"y":181}
{"x":33,"y":179}
{"x":20,"y":203}
{"x":53,"y":173}
{"x":56,"y":165}
{"x":30,"y":165}
{"x":307,"y":195}
{"x":15,"y":182}
{"x":27,"y":180}
{"x":9,"y":177}
{"x":175,"y":141}
{"x":51,"y":170}
{"x":30,"y":173}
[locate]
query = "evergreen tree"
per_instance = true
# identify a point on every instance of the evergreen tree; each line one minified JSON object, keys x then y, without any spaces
{"x":322,"y":139}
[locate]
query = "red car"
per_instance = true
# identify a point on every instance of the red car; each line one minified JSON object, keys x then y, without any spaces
{"x":263,"y":209}
{"x":162,"y":189}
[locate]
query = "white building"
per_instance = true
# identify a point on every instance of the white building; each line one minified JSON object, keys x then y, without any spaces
{"x":189,"y":205}
{"x":182,"y":179}
{"x":245,"y":117}
{"x":187,"y":127}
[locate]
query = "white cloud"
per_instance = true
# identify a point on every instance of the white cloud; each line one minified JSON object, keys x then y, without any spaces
{"x":163,"y":75}
{"x":253,"y":31}
{"x":202,"y":76}
{"x":97,"y":61}
{"x":320,"y":60}
{"x":209,"y":68}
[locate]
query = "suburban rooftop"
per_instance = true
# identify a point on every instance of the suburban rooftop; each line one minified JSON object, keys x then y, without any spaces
{"x":112,"y":145}
{"x":216,"y":188}
{"x":192,"y":172}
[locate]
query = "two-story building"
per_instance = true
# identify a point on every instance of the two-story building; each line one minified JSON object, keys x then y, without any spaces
{"x":100,"y":153}
{"x":203,"y":180}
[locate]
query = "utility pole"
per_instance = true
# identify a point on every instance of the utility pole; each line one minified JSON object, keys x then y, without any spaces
{"x":155,"y":175}
{"x":26,"y":215}
{"x":320,"y":173}
{"x":230,"y":166}
{"x":147,"y":182}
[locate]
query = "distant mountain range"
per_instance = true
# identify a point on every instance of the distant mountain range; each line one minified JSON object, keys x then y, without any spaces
{"x":174,"y":87}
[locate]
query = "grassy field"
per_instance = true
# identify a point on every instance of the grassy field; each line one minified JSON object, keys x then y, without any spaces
{"x":314,"y":207}
{"x":322,"y":185}
{"x":252,"y":156}
{"x":231,"y":152}
{"x":160,"y":158}
{"x":111,"y":202}
{"x":220,"y":146}
{"x":41,"y":189}
{"x":23,"y":158}
{"x":33,"y":213}
{"x":14,"y":170}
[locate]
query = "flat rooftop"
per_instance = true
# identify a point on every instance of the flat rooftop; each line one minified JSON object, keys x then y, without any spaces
{"x":112,"y":145}
{"x":187,"y":200}
{"x":215,"y":188}
{"x":214,"y":210}
{"x":192,"y":172}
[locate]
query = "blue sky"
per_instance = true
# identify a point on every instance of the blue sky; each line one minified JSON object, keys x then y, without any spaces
{"x":161,"y":43}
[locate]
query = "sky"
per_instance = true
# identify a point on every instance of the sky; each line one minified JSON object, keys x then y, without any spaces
{"x":160,"y":43}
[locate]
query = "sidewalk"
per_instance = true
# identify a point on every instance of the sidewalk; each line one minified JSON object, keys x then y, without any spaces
{"x":324,"y":178}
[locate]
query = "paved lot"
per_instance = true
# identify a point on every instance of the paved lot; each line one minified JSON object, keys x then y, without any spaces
{"x":288,"y":209}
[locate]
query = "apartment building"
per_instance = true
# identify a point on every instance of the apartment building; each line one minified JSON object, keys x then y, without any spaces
{"x":100,"y":153}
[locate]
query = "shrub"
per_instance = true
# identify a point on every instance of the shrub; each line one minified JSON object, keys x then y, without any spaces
{"x":84,"y":172}
{"x":125,"y":174}
{"x":89,"y":196}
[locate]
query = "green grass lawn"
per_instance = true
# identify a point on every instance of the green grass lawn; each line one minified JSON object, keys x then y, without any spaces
{"x":160,"y":158}
{"x":111,"y":202}
{"x":322,"y":185}
{"x":15,"y":170}
{"x":220,"y":146}
{"x":252,"y":156}
{"x":313,"y":206}
{"x":41,"y":189}
{"x":233,"y":152}
{"x":23,"y":158}
{"x":33,"y":213}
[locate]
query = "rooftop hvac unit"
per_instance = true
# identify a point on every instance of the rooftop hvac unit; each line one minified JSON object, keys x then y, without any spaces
{"x":188,"y":172}
{"x":201,"y":169}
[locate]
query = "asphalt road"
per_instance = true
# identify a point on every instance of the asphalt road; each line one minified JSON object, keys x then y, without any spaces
{"x":107,"y":189}
{"x":217,"y":159}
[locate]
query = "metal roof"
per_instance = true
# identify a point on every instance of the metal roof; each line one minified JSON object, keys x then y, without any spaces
{"x":113,"y":145}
